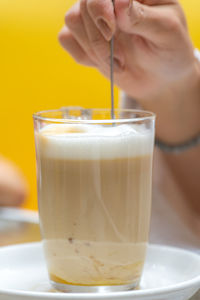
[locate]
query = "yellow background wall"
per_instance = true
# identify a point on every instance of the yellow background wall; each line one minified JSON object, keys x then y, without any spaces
{"x":36,"y":74}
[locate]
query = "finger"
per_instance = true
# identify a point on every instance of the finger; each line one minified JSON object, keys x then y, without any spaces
{"x":70,"y":44}
{"x":102,"y":14}
{"x":98,"y":43}
{"x":96,"y":39}
{"x":13,"y":187}
{"x":11,"y":196}
{"x":152,"y":22}
{"x":74,"y":22}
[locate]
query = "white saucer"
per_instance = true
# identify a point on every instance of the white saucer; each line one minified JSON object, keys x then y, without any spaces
{"x":169,"y":274}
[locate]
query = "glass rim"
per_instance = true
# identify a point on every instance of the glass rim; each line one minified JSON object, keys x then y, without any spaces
{"x":146,"y":115}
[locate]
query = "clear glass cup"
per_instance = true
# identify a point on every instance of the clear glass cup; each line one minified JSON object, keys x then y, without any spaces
{"x":94,"y":177}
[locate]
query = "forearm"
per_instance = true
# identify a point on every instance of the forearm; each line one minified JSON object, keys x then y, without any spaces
{"x":185,"y":168}
{"x":178,"y":120}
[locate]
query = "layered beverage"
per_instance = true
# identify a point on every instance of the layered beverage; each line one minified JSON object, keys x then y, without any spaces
{"x":94,"y":189}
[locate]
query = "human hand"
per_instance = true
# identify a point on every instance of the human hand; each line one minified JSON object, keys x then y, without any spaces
{"x":13,"y":188}
{"x":152,"y":45}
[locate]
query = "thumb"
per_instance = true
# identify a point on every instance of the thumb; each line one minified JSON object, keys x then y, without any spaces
{"x":151,"y":22}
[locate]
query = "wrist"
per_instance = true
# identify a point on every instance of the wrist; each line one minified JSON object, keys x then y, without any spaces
{"x":177,"y":108}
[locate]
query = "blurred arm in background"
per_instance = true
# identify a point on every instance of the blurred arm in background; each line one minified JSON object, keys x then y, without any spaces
{"x":155,"y":65}
{"x":13,"y":187}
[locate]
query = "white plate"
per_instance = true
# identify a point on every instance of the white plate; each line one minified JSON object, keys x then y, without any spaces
{"x":169,"y":274}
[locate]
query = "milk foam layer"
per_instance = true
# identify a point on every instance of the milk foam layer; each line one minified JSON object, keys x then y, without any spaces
{"x":94,"y":141}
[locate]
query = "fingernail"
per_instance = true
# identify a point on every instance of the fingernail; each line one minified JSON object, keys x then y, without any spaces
{"x":104,"y":28}
{"x":136,"y":10}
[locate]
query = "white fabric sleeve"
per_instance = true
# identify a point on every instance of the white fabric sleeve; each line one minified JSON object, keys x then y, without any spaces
{"x":197,"y":54}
